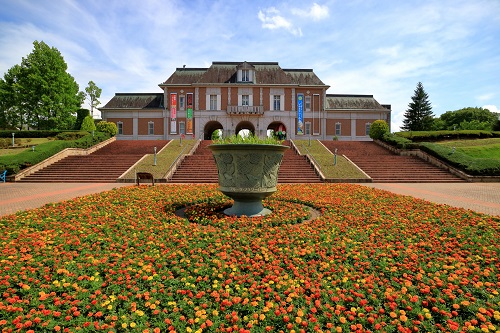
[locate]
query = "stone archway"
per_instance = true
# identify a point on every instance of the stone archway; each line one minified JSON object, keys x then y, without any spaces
{"x":245,"y":125}
{"x":210,"y":128}
{"x":278,"y":127}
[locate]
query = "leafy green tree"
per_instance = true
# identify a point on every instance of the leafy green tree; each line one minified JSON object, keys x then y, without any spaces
{"x":80,"y":115}
{"x":39,"y":93}
{"x":92,"y":93}
{"x":88,"y":124}
{"x":13,"y":113}
{"x":378,"y":129}
{"x":107,"y":127}
{"x":418,"y":116}
{"x":470,"y":118}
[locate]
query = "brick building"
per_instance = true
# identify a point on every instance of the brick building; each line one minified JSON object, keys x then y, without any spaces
{"x":231,"y":96}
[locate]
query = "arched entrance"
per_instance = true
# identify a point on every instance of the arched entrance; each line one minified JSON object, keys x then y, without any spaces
{"x":277,"y":129}
{"x":210,"y":128}
{"x":245,"y":125}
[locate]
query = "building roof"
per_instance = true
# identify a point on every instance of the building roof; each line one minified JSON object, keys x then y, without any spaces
{"x":135,"y":101}
{"x":225,"y":72}
{"x":353,"y":102}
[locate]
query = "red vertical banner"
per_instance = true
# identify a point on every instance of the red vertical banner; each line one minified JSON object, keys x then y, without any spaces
{"x":173,"y":113}
{"x":189,"y":114}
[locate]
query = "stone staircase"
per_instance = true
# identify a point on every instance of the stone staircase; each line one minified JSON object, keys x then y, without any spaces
{"x":383,"y":166}
{"x":103,"y":166}
{"x":200,"y":168}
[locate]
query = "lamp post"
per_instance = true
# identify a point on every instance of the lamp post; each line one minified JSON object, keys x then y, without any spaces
{"x":335,"y":157}
{"x":155,"y":156}
{"x":13,"y":139}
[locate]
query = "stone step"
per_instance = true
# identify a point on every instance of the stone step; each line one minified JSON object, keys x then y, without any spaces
{"x":383,"y":165}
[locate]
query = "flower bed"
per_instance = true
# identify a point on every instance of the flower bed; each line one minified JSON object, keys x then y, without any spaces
{"x":373,"y":261}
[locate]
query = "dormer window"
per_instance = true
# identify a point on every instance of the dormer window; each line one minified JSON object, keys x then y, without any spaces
{"x":246,"y":72}
{"x":245,"y":75}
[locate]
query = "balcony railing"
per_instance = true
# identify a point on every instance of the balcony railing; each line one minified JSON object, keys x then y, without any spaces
{"x":245,"y":110}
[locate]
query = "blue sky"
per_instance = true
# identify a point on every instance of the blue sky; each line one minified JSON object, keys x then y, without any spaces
{"x":378,"y":47}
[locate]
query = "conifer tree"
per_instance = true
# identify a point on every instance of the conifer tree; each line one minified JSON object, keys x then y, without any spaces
{"x":418,"y":116}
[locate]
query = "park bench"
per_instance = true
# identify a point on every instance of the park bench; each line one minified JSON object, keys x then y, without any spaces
{"x":145,"y":175}
{"x":3,"y":175}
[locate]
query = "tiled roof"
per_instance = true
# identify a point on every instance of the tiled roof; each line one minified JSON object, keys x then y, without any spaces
{"x":225,"y":72}
{"x":352,"y":102}
{"x":135,"y":101}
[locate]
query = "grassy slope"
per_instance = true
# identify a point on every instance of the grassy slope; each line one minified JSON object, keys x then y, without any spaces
{"x":479,"y":148}
{"x":25,"y":144}
{"x":164,"y":159}
{"x":342,"y":170}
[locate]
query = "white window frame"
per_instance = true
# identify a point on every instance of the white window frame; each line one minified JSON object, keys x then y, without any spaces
{"x":151,"y":128}
{"x":119,"y":125}
{"x":367,"y":128}
{"x":245,"y":75}
{"x":307,"y":103}
{"x":338,"y":129}
{"x":245,"y":100}
{"x":307,"y":128}
{"x":182,"y":127}
{"x":213,"y":100}
{"x":276,"y":103}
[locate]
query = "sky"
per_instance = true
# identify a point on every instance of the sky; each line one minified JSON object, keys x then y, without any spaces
{"x":371,"y":47}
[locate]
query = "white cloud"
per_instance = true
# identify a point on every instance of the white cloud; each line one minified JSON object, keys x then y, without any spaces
{"x":492,"y":108}
{"x":271,"y":19}
{"x":316,"y":12}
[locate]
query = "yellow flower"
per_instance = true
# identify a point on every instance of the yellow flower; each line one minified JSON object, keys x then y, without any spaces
{"x":124,"y":325}
{"x":132,"y":324}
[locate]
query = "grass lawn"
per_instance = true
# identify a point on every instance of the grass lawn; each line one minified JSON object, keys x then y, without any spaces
{"x":164,"y":159}
{"x":342,"y":170}
{"x":479,"y":148}
{"x":24,"y":145}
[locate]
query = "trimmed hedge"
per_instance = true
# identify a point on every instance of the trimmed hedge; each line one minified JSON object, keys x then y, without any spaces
{"x":29,"y":134}
{"x":420,"y":136}
{"x":14,"y":163}
{"x":398,"y":141}
{"x":470,"y":165}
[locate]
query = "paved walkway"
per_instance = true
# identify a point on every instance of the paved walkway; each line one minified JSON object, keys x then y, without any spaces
{"x":480,"y":197}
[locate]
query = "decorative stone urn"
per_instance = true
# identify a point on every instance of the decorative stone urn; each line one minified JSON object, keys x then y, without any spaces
{"x":248,"y":173}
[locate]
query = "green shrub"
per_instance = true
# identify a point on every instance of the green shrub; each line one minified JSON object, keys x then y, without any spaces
{"x":88,"y":124}
{"x":69,"y":136}
{"x":107,"y":127}
{"x":470,"y":165}
{"x":378,"y":129}
{"x":398,"y":141}
{"x":28,"y":134}
{"x":420,"y":136}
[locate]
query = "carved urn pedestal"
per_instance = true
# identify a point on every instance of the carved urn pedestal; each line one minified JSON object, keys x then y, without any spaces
{"x":248,"y":173}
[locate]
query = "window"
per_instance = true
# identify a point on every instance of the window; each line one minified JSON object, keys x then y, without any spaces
{"x":213,"y":102}
{"x":338,"y":129}
{"x":181,"y":102}
{"x":308,"y":103}
{"x":308,"y":129}
{"x":245,"y":75}
{"x":277,"y":103}
{"x":151,"y":128}
{"x":120,"y":127}
{"x":245,"y":100}
{"x":182,"y":127}
{"x":367,"y":129}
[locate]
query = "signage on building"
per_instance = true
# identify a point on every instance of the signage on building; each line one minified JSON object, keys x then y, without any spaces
{"x":300,"y":114}
{"x":173,"y":113}
{"x":189,"y":114}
